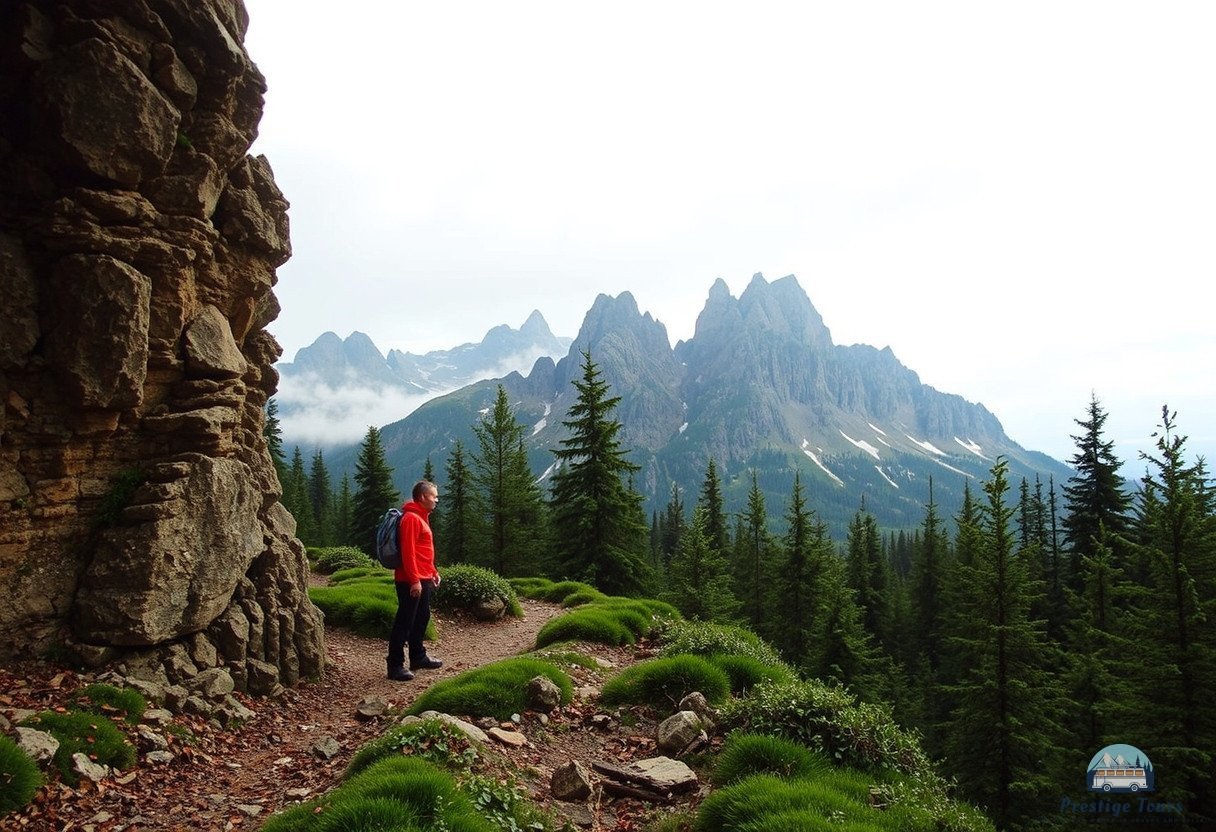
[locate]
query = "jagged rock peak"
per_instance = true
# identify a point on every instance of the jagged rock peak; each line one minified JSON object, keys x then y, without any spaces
{"x":536,"y":326}
{"x":783,"y":306}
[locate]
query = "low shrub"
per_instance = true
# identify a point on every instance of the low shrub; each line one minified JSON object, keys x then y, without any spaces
{"x":19,"y":777}
{"x":398,"y":793}
{"x":583,"y":596}
{"x":744,"y":755}
{"x":746,"y":672}
{"x":126,"y":704}
{"x":83,"y":731}
{"x":666,"y":680}
{"x":752,"y":802}
{"x":589,"y":623}
{"x":534,"y":588}
{"x":497,"y":689}
{"x":705,"y":639}
{"x":464,"y":587}
{"x":332,"y":558}
{"x":505,"y":806}
{"x":828,"y":718}
{"x":556,"y":592}
{"x":365,"y":605}
{"x":432,"y":740}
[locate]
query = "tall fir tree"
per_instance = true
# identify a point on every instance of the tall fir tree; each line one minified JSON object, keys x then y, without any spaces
{"x":711,"y":503}
{"x":374,"y":491}
{"x":296,"y":500}
{"x":867,"y":573}
{"x":272,"y":430}
{"x":428,"y":474}
{"x":840,"y":648}
{"x":1094,"y":497}
{"x":789,"y":622}
{"x":931,"y":564}
{"x":698,"y":578}
{"x":1003,"y":742}
{"x":1173,"y":622}
{"x":754,"y":561}
{"x":320,"y":496}
{"x":344,"y":508}
{"x":461,"y":523}
{"x":597,"y":533}
{"x":508,"y":491}
{"x":673,"y":525}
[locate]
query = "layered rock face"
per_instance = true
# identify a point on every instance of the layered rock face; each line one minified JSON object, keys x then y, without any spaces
{"x":139,"y":510}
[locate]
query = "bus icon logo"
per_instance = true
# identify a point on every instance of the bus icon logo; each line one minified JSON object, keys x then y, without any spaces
{"x":1120,"y":768}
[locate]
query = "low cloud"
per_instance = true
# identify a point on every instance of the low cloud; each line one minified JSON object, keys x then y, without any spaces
{"x":312,"y":412}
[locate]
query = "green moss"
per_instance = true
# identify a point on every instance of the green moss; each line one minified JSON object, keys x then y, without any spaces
{"x":744,"y":755}
{"x":19,"y":777}
{"x":126,"y":704}
{"x":587,"y":623}
{"x":82,"y":731}
{"x":746,"y":672}
{"x":496,"y":689}
{"x":667,"y":681}
{"x":465,"y":587}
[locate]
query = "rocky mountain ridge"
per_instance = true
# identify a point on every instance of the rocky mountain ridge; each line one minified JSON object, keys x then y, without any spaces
{"x":759,"y":386}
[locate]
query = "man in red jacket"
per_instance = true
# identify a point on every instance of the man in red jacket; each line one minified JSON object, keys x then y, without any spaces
{"x":415,"y":579}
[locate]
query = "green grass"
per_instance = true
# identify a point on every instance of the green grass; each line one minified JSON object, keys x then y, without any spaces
{"x":666,"y":680}
{"x":744,"y":755}
{"x":588,"y":623}
{"x":496,"y":689}
{"x":90,"y":733}
{"x":746,"y":672}
{"x":365,"y":605}
{"x":753,"y":801}
{"x":19,"y":777}
{"x":705,"y":639}
{"x":583,"y":596}
{"x":126,"y":704}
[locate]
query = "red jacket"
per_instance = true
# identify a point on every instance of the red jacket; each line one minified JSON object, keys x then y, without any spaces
{"x":417,"y":546}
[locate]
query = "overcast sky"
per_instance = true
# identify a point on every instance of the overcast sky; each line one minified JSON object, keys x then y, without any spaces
{"x":1018,"y":199}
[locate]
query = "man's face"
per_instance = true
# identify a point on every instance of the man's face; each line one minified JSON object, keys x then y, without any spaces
{"x":430,"y":499}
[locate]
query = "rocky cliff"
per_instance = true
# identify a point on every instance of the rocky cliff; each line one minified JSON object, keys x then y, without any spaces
{"x":140,"y":519}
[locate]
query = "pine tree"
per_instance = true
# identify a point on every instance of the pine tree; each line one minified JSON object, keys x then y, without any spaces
{"x":344,"y":515}
{"x":1173,"y":621}
{"x":673,"y":525}
{"x":1002,"y":743}
{"x":428,"y":474}
{"x":841,"y":648}
{"x":792,"y":617}
{"x":931,"y":564}
{"x":698,"y":579}
{"x":597,"y":533}
{"x":711,"y":502}
{"x":867,"y":573}
{"x":1095,"y":497}
{"x":754,"y":564}
{"x":320,"y":496}
{"x":460,"y":525}
{"x":374,"y":491}
{"x":272,"y":429}
{"x":506,"y":487}
{"x":296,"y":500}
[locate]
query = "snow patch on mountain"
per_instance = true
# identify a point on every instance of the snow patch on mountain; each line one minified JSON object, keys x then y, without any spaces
{"x":862,"y":444}
{"x":927,"y":445}
{"x":878,"y":468}
{"x":806,"y":450}
{"x":971,"y":445}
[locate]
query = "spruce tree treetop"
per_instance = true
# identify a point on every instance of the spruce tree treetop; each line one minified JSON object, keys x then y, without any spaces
{"x":598,"y":536}
{"x":1095,"y":497}
{"x":374,"y":491}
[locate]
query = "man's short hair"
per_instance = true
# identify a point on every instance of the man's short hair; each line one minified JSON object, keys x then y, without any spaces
{"x":421,"y":486}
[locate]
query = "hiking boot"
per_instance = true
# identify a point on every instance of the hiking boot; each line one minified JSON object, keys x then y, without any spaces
{"x":425,"y":663}
{"x":399,"y":674}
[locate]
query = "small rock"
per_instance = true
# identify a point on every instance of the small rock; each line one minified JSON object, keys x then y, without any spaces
{"x":212,"y":683}
{"x":604,"y":663}
{"x":196,"y":705}
{"x":677,"y":731}
{"x":697,"y":703}
{"x":468,"y":729}
{"x":487,"y":722}
{"x":543,"y":694}
{"x":20,"y":715}
{"x":89,"y":769}
{"x":159,"y":758}
{"x":326,"y":748}
{"x":371,"y":707}
{"x":665,"y":774}
{"x":511,"y":738}
{"x":158,"y":716}
{"x":578,"y":813}
{"x":175,"y":695}
{"x":40,"y":745}
{"x":603,"y":722}
{"x":101,"y":817}
{"x":589,"y":693}
{"x":570,"y":782}
{"x":151,"y":740}
{"x":126,"y":780}
{"x":232,"y":711}
{"x":153,"y":692}
{"x":5,"y":725}
{"x":298,"y":794}
{"x":249,"y":810}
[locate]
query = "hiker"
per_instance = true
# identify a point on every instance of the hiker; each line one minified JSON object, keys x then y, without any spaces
{"x":415,"y":579}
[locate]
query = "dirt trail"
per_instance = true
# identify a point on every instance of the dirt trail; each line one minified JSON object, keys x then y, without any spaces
{"x":233,"y":780}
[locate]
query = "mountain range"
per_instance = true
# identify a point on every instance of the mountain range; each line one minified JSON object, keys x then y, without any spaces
{"x":760,"y":386}
{"x":336,"y":387}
